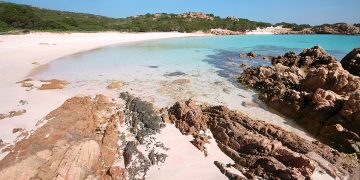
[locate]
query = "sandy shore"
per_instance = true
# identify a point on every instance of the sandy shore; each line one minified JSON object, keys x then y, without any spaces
{"x":18,"y":52}
{"x":22,"y":53}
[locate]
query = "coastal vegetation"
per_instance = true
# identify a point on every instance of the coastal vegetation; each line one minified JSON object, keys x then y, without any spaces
{"x":24,"y":18}
{"x":14,"y":17}
{"x":293,"y":26}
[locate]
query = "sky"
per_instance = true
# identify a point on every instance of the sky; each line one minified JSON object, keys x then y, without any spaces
{"x":312,"y":12}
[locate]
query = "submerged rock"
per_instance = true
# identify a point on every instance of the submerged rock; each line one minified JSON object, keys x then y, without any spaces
{"x":53,"y":84}
{"x":251,"y":55}
{"x":316,"y":91}
{"x":176,"y":73}
{"x":115,"y":85}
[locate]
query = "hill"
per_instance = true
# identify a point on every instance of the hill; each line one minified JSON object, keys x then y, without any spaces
{"x":15,"y":17}
{"x":24,"y":18}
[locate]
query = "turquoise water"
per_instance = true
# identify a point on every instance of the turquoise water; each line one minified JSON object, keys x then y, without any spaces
{"x":189,"y":55}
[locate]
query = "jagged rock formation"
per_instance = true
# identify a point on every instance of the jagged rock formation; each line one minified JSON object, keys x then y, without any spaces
{"x":260,"y":149}
{"x":87,"y":138}
{"x":316,"y":91}
{"x":351,"y":62}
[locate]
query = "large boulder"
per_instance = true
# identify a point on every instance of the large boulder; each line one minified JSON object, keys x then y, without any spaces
{"x":351,"y":62}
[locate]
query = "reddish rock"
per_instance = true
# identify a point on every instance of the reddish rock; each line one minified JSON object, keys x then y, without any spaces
{"x":312,"y":88}
{"x":351,"y":62}
{"x":53,"y":84}
{"x":194,"y":120}
{"x":263,"y":150}
{"x":79,"y":141}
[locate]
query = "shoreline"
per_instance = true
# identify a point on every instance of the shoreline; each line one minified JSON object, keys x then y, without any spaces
{"x":57,"y":45}
{"x":21,"y":54}
{"x":42,"y":103}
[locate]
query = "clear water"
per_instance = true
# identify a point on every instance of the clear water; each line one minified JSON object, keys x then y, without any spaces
{"x":210,"y":65}
{"x":189,"y":54}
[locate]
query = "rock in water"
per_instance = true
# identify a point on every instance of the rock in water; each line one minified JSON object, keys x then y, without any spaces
{"x":115,"y":85}
{"x":53,"y":84}
{"x":251,"y":55}
{"x":351,"y":62}
{"x":316,"y":91}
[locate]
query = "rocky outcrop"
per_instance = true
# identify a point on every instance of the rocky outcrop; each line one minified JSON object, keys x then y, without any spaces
{"x":88,"y":138}
{"x":339,"y":28}
{"x":316,"y":91}
{"x":311,"y":57}
{"x":79,"y":141}
{"x":260,"y":149}
{"x":196,"y":15}
{"x":351,"y":62}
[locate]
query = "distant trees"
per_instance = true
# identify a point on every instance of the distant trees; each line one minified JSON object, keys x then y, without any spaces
{"x":18,"y":16}
{"x":293,"y":26}
{"x":23,"y":17}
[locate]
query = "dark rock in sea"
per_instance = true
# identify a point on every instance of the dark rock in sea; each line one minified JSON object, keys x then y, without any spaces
{"x":244,"y":65}
{"x":176,"y":73}
{"x":316,"y":91}
{"x":260,"y":149}
{"x":154,"y":67}
{"x":351,"y":62}
{"x":251,"y":55}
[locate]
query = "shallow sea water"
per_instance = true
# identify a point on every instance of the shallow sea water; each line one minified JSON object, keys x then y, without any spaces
{"x":201,"y":68}
{"x":188,"y":54}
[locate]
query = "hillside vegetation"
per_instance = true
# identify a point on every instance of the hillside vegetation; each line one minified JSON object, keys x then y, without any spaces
{"x":23,"y":17}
